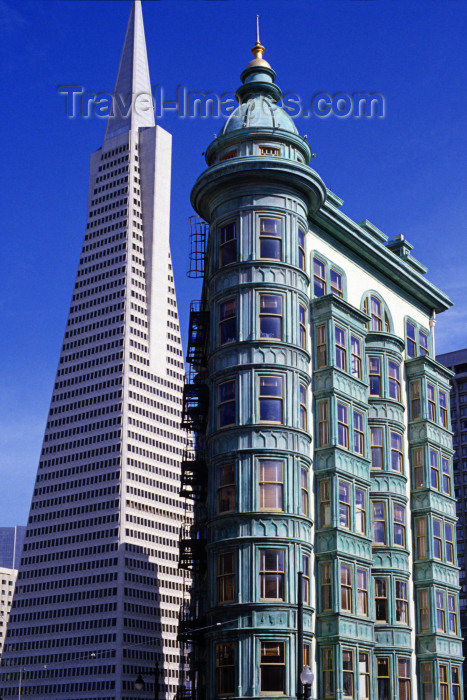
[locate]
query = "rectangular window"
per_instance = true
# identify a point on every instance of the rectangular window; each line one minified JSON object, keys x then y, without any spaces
{"x":306,"y":578}
{"x":347,"y":673}
{"x":449,"y":538}
{"x":271,"y":574}
{"x":443,"y":411}
{"x":397,"y":460}
{"x":304,"y":497}
{"x":374,"y":364}
{"x":446,"y":475}
{"x":440,"y":614}
{"x":452,"y":614}
{"x":303,"y":408}
{"x":394,"y":381}
{"x":272,"y":668}
{"x":228,"y":245}
{"x":430,"y":392}
{"x":321,"y":346}
{"x":270,"y":399}
{"x":356,"y":348}
{"x":228,"y":321}
{"x":226,"y":488}
{"x":341,"y":352}
{"x":423,"y":343}
{"x":424,"y":610}
{"x":363,"y":676}
{"x":268,"y":151}
{"x":326,"y":587}
{"x":375,"y":313}
{"x":302,"y":325}
{"x":420,"y":529}
{"x":301,"y":249}
{"x":417,"y":455}
{"x":434,"y":469}
{"x":376,"y":448}
{"x":360,"y":511}
{"x":399,"y":525}
{"x":346,"y":588}
{"x":226,"y":403}
{"x":270,"y":239}
{"x":325,"y":503}
{"x":411,"y":340}
{"x":344,"y":505}
{"x":336,"y":283}
{"x":437,"y":540}
{"x":323,"y":423}
{"x":328,"y":673}
{"x":383,"y":678}
{"x":270,"y":316}
{"x":342,"y":426}
{"x":229,"y":155}
{"x":402,"y":604}
{"x":443,"y":682}
{"x":225,"y":668}
{"x":358,"y":433}
{"x":379,"y":523}
{"x":225,"y":577}
{"x":415,"y":404}
{"x":381,"y":599}
{"x":319,"y":278}
{"x":404,"y":678}
{"x":362,"y":592}
{"x":271,"y":484}
{"x":456,"y":682}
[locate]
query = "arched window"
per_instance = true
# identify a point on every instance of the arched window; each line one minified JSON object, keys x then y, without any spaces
{"x":377,"y":309}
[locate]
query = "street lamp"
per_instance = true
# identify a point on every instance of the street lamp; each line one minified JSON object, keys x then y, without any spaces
{"x":139,"y":683}
{"x":307,"y":677}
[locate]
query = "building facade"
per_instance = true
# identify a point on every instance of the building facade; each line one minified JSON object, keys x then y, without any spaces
{"x":457,"y":362}
{"x":11,"y":545}
{"x":99,"y":589}
{"x":323,"y":429}
{"x":8,"y":581}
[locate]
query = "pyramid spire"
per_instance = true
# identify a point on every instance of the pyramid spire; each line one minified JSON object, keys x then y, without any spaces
{"x":132,"y":105}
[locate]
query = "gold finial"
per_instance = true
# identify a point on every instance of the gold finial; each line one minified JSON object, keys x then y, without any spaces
{"x":257,"y":49}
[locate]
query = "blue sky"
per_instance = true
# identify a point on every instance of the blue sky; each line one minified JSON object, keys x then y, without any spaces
{"x":405,"y":172}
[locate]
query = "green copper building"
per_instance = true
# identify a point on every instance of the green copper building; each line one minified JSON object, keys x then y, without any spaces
{"x":323,"y":442}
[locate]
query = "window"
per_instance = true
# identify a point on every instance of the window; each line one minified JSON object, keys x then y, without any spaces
{"x":225,"y":488}
{"x":227,"y":156}
{"x":376,"y":448}
{"x":306,"y":578}
{"x":268,"y":151}
{"x":346,"y":588}
{"x":383,"y":678}
{"x":302,"y":325}
{"x":301,"y":249}
{"x":347,"y":673}
{"x":358,"y":433}
{"x":319,"y":278}
{"x":328,"y":673}
{"x":443,"y":682}
{"x":323,"y":423}
{"x":270,"y":238}
{"x":424,"y":610}
{"x":430,"y":390}
{"x":325,"y":503}
{"x":415,"y":400}
{"x":449,"y":538}
{"x":344,"y":505}
{"x":270,"y":316}
{"x":226,"y":406}
{"x":446,"y":475}
{"x":394,"y":381}
{"x":272,"y":667}
{"x":271,"y":574}
{"x":326,"y":587}
{"x":304,"y":503}
{"x":375,"y":376}
{"x":270,"y":399}
{"x":336,"y":283}
{"x":362,"y":592}
{"x":342,"y":426}
{"x":228,"y":245}
{"x":411,"y":340}
{"x":375,"y":313}
{"x":423,"y":343}
{"x":381,"y":599}
{"x":437,"y":540}
{"x":271,"y":484}
{"x":434,"y":469}
{"x":418,"y":467}
{"x":363,"y":676}
{"x":456,"y":682}
{"x":397,"y":461}
{"x":402,"y":605}
{"x":225,"y":668}
{"x":440,"y":614}
{"x":379,"y":523}
{"x":443,"y":411}
{"x":228,"y":321}
{"x":360,"y":511}
{"x":321,"y":346}
{"x":404,"y":678}
{"x":420,"y":529}
{"x":303,"y":409}
{"x":452,"y":614}
{"x":356,"y":348}
{"x":341,"y":353}
{"x":225,"y":578}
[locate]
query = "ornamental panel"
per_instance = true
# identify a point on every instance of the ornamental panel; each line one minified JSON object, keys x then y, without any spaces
{"x":393,"y":637}
{"x":390,"y":558}
{"x":386,"y":411}
{"x":383,"y":482}
{"x":423,"y":500}
{"x":437,"y":572}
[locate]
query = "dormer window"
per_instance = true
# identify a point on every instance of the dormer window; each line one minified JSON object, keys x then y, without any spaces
{"x":268,"y":151}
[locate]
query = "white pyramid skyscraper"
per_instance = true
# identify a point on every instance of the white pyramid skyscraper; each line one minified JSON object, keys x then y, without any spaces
{"x":99,"y":589}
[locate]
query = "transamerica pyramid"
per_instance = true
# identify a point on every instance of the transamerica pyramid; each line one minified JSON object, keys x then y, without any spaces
{"x":99,"y":590}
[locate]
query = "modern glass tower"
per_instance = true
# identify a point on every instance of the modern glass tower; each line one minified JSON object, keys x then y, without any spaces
{"x":99,"y":589}
{"x":327,"y":440}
